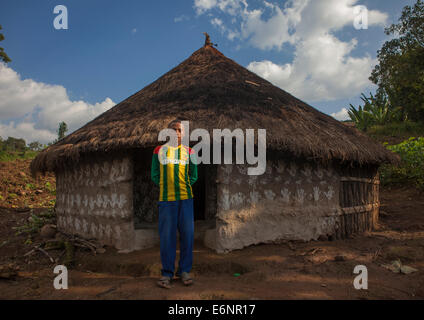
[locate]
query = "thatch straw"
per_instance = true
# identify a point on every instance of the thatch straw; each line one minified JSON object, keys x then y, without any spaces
{"x":212,"y":91}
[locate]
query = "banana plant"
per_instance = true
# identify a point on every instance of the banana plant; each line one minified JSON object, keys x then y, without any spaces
{"x":360,"y":116}
{"x":377,"y":110}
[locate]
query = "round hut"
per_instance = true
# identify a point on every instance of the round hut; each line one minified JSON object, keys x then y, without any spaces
{"x":321,"y":176}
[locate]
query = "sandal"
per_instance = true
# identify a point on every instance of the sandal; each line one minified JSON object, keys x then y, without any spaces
{"x":164,"y":282}
{"x":187,"y":280}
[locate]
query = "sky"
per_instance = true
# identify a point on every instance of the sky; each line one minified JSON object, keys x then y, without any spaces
{"x":112,"y":49}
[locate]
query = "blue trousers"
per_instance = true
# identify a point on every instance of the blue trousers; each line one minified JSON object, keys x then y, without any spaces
{"x":173,"y":216}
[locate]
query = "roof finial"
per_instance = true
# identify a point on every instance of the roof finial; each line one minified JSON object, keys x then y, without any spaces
{"x":208,"y":41}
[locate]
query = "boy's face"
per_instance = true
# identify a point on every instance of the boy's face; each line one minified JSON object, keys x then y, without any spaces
{"x":179,"y":129}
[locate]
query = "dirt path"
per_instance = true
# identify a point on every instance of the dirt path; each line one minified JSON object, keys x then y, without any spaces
{"x":288,"y":270}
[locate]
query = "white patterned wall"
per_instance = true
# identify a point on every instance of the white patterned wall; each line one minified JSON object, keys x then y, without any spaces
{"x":94,"y":200}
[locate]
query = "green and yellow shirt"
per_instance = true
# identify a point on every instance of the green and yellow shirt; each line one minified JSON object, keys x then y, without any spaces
{"x":174,"y":172}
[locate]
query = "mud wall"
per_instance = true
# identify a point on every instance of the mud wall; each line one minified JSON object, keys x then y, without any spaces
{"x":95,"y":199}
{"x":291,"y":200}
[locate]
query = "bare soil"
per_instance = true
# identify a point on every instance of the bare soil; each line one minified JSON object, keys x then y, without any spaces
{"x":19,"y":190}
{"x":284,"y":270}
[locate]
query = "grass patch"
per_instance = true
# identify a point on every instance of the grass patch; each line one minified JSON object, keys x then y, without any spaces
{"x":403,"y":130}
{"x":6,"y":156}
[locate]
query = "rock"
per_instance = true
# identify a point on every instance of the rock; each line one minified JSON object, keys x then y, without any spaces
{"x":407,"y":269}
{"x":48,"y":231}
{"x":396,"y":266}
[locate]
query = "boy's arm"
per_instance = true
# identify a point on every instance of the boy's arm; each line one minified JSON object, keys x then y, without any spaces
{"x":155,"y":170}
{"x":192,"y":170}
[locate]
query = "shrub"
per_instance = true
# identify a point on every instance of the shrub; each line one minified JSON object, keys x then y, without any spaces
{"x":411,"y":169}
{"x":36,"y":222}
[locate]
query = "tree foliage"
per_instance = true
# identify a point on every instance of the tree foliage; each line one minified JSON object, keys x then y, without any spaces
{"x":3,"y":56}
{"x":35,"y":146}
{"x":13,"y":144}
{"x":400,"y":70}
{"x":62,"y":130}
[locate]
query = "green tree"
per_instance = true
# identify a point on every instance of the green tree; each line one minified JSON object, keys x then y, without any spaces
{"x":14,"y":144}
{"x":400,"y":70}
{"x":61,"y":131}
{"x":3,"y":56}
{"x":35,"y":146}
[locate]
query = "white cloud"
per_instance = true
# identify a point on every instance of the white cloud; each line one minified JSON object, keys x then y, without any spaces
{"x":40,"y":108}
{"x":216,"y":22}
{"x":341,"y":115}
{"x":203,"y":5}
{"x":219,"y":24}
{"x":231,"y":7}
{"x":319,"y":17}
{"x":321,"y":70}
{"x":26,"y":131}
{"x":323,"y":67}
{"x":134,"y":30}
{"x":181,"y":18}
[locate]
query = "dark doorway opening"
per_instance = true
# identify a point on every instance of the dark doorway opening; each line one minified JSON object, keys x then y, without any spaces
{"x":199,"y":193}
{"x":204,"y":192}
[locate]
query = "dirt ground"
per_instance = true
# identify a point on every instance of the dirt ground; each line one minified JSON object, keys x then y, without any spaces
{"x":19,"y":190}
{"x":287,"y":270}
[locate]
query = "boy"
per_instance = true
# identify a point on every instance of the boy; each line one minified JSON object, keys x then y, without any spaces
{"x":174,"y":172}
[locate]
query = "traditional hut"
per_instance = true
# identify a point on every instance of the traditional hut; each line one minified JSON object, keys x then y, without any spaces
{"x":321,"y":177}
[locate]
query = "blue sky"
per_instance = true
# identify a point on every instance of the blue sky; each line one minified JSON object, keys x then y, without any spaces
{"x":113,"y":49}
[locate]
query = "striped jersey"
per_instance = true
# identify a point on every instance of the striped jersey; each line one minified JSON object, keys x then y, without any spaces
{"x":174,"y":172}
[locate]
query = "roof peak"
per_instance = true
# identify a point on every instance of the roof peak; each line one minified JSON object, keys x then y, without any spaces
{"x":208,"y":42}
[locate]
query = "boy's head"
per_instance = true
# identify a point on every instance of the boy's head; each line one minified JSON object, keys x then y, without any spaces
{"x":178,"y":127}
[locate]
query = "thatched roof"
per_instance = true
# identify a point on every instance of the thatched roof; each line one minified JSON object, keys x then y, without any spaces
{"x":213,"y":91}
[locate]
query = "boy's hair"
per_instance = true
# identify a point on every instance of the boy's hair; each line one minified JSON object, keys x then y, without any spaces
{"x":173,"y":122}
